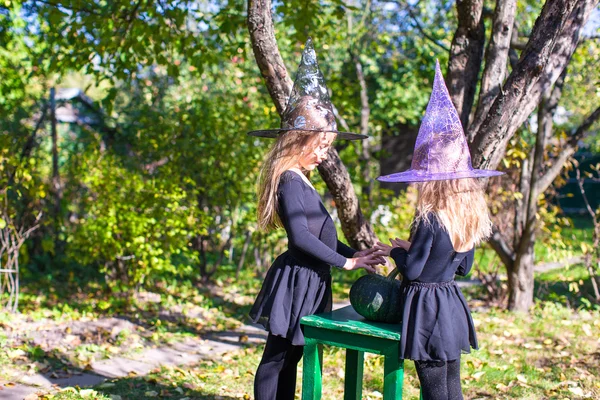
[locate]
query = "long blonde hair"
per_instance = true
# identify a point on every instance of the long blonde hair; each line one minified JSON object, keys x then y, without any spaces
{"x":283,"y":155}
{"x":460,"y":206}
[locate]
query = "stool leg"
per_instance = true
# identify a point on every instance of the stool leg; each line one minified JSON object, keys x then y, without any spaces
{"x":311,"y":371}
{"x":393,"y":370}
{"x":354,"y":375}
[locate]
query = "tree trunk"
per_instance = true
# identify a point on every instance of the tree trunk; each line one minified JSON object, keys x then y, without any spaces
{"x":365,"y":113}
{"x":243,"y":254}
{"x":262,"y":35}
{"x":495,"y":60}
{"x":356,"y":228}
{"x":55,"y":172}
{"x":520,"y":278}
{"x":506,"y":115}
{"x":564,"y":47}
{"x":465,"y":57}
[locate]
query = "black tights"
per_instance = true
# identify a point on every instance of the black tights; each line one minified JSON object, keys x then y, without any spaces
{"x":440,"y":380}
{"x":276,"y":374}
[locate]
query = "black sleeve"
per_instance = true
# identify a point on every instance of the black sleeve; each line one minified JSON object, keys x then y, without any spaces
{"x":411,"y":263}
{"x":465,"y":265}
{"x":345,"y":250}
{"x":293,"y":213}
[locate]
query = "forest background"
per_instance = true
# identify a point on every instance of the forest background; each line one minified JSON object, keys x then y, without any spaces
{"x":125,"y":168}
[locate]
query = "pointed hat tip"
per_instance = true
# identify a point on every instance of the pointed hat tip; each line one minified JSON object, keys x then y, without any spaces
{"x":308,"y":43}
{"x":438,"y":68}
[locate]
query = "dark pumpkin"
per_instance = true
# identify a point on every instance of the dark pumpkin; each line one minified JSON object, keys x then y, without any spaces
{"x":377,"y":297}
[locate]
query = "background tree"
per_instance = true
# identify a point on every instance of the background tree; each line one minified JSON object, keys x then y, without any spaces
{"x":504,"y":105}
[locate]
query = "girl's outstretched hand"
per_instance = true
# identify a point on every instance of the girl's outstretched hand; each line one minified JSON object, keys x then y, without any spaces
{"x":383,"y":250}
{"x":367,"y":262}
{"x":400,"y":243}
{"x":365,"y":252}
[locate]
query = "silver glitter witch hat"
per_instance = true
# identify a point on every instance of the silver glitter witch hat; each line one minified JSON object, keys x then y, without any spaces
{"x":309,"y":107}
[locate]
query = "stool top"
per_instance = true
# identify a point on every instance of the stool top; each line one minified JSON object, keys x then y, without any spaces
{"x":347,"y":320}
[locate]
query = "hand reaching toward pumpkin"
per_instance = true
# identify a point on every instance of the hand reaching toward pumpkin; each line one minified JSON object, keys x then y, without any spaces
{"x":368,"y":252}
{"x":384,"y":249}
{"x":400,"y":243}
{"x":365,"y":252}
{"x":367,"y":262}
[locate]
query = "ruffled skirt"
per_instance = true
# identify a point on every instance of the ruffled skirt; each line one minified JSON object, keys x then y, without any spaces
{"x":290,"y":292}
{"x":436,"y":323}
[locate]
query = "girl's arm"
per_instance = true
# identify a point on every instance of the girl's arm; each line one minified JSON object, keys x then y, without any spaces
{"x":293,"y":213}
{"x":345,"y":250}
{"x":465,"y":265}
{"x":411,"y":263}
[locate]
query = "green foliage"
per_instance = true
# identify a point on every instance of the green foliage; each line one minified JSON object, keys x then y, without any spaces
{"x":165,"y":184}
{"x":133,"y":226}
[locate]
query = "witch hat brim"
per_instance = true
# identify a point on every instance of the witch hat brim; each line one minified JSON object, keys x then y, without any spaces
{"x":413,"y":176}
{"x":309,"y":108}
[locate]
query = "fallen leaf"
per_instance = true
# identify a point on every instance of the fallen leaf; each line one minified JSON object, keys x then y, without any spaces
{"x":478,"y":375}
{"x":576,"y":391}
{"x":502,"y":387}
{"x":521,"y":378}
{"x":151,"y":393}
{"x":587,"y":329}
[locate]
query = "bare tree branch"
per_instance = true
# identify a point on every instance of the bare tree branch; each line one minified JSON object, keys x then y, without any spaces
{"x":546,"y":111}
{"x":505,"y":115}
{"x":560,"y":56}
{"x":416,"y":24}
{"x":512,"y":53}
{"x":466,"y":54}
{"x":262,"y":34}
{"x":518,"y":43}
{"x":495,"y":61}
{"x":501,"y":248}
{"x":571,"y":147}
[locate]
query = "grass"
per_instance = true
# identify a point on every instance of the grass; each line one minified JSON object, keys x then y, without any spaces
{"x":552,"y":353}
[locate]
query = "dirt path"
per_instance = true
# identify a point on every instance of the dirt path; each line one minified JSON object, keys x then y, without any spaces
{"x":19,"y":385}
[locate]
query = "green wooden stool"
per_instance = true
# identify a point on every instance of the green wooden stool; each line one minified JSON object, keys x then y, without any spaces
{"x":345,"y":328}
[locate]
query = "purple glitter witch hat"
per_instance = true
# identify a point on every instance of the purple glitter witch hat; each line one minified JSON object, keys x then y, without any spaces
{"x":309,"y":107}
{"x":441,"y":150}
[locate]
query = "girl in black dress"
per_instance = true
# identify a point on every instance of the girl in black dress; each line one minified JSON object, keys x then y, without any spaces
{"x":299,"y":281}
{"x":451,"y":219}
